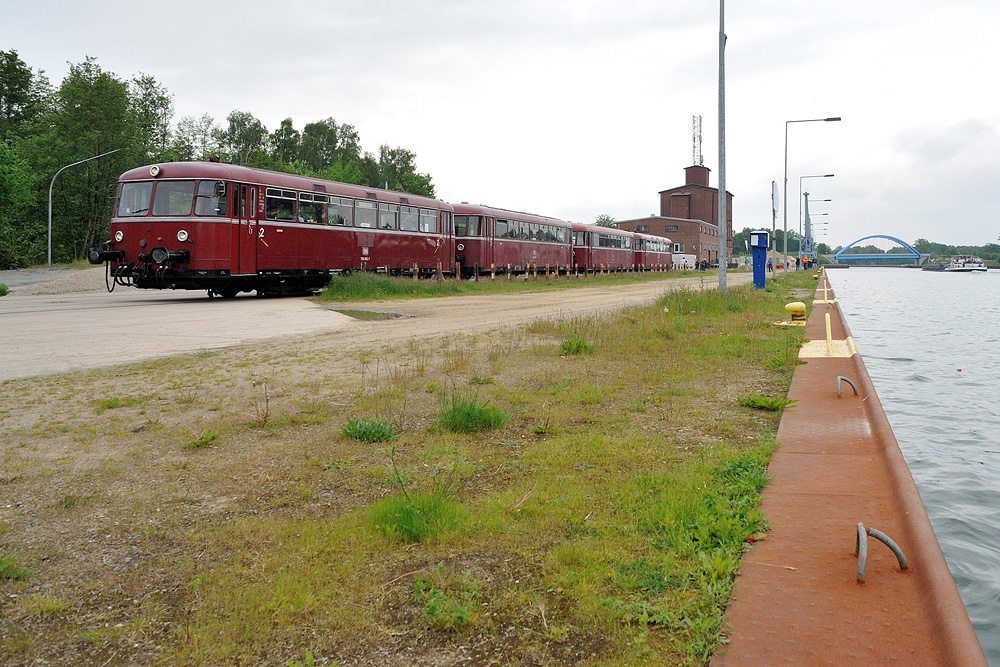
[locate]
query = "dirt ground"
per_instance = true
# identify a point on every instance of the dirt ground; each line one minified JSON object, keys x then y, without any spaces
{"x":100,"y":486}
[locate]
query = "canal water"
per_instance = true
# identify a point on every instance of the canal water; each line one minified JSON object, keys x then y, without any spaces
{"x":931,"y":343}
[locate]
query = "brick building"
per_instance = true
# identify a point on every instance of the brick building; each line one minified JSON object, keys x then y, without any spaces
{"x":688,"y":217}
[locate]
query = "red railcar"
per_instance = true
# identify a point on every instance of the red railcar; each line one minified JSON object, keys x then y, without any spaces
{"x":598,"y":248}
{"x":230,"y":229}
{"x":491,"y":237}
{"x":652,"y":253}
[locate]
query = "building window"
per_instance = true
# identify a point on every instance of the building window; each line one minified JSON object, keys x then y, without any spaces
{"x":642,"y":228}
{"x":678,"y":247}
{"x":670,"y":228}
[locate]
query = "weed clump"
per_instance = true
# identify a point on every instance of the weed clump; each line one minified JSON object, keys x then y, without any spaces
{"x":10,"y":569}
{"x":468,"y":415}
{"x":765,"y":402}
{"x":366,"y":430}
{"x":423,"y":514}
{"x":576,"y":346}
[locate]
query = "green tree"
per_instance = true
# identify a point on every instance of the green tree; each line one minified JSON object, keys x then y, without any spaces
{"x":605,"y":220}
{"x":21,"y":234}
{"x":91,"y":115}
{"x":152,"y":111}
{"x":22,"y":94}
{"x":196,"y":138}
{"x":243,"y":137}
{"x":285,"y":142}
{"x":395,"y":170}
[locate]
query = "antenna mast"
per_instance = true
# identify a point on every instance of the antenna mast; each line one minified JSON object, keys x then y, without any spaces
{"x":696,"y":157}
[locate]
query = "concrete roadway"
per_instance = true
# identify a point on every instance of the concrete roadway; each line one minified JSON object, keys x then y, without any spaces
{"x":42,"y":335}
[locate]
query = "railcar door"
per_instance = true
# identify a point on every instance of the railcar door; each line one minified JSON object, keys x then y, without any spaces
{"x":245,"y":213}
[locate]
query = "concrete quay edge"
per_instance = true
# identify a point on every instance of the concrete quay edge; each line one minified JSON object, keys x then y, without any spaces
{"x":796,"y":599}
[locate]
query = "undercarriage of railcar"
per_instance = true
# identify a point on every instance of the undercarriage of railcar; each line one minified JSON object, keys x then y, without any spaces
{"x":153,"y":271}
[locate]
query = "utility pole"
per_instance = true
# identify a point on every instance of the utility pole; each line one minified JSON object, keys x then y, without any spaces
{"x":723,"y":227}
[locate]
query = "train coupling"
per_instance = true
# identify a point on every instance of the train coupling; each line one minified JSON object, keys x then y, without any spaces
{"x":101,"y":255}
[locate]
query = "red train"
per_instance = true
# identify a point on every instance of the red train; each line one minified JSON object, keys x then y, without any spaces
{"x":230,"y":229}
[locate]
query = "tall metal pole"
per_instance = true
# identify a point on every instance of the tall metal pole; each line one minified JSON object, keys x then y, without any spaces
{"x":785,"y":203}
{"x":800,"y":203}
{"x":50,"y":193}
{"x":723,"y":227}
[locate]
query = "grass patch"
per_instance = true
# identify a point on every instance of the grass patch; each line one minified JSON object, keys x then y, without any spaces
{"x":576,"y":346}
{"x":468,"y":414}
{"x":603,"y":523}
{"x":367,"y":430}
{"x":377,"y":287}
{"x":764,"y":402}
{"x":11,"y":569}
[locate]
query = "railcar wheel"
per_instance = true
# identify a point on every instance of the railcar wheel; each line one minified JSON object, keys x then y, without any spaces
{"x":227,"y":292}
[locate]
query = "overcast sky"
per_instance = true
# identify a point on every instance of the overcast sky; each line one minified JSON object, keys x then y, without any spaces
{"x":581,"y":107}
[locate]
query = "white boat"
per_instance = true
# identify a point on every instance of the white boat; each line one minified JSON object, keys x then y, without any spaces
{"x":965,"y":263}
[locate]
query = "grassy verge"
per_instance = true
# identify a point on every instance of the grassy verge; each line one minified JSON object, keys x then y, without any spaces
{"x":374,"y":287}
{"x":282,"y":505}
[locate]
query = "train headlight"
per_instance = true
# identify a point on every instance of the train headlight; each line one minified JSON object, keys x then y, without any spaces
{"x":182,"y":235}
{"x":119,"y":235}
{"x":461,"y":247}
{"x":154,"y":171}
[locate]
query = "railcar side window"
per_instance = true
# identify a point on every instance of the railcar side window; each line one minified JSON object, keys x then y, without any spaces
{"x":208,"y":201}
{"x":428,"y":221}
{"x":312,"y":208}
{"x":135,"y":199}
{"x":366,"y":214}
{"x":387,"y":215}
{"x":279,"y":204}
{"x":501,"y":232}
{"x":341,"y":211}
{"x":461,"y":224}
{"x":409,"y":218}
{"x":173,"y":198}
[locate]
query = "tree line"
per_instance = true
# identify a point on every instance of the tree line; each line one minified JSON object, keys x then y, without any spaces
{"x":989,"y":252}
{"x":44,"y":128}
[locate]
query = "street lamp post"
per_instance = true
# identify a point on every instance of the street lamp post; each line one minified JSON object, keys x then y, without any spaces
{"x":800,"y":198}
{"x":787,"y":122}
{"x":50,"y":193}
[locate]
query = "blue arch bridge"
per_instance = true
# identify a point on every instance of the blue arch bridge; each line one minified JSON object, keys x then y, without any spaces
{"x":879,"y":249}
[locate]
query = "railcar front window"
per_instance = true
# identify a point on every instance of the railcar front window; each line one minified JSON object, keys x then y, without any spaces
{"x":208,"y":201}
{"x":135,"y":199}
{"x":173,"y":198}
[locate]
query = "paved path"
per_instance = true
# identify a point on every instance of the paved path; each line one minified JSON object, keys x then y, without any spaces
{"x":797,"y":600}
